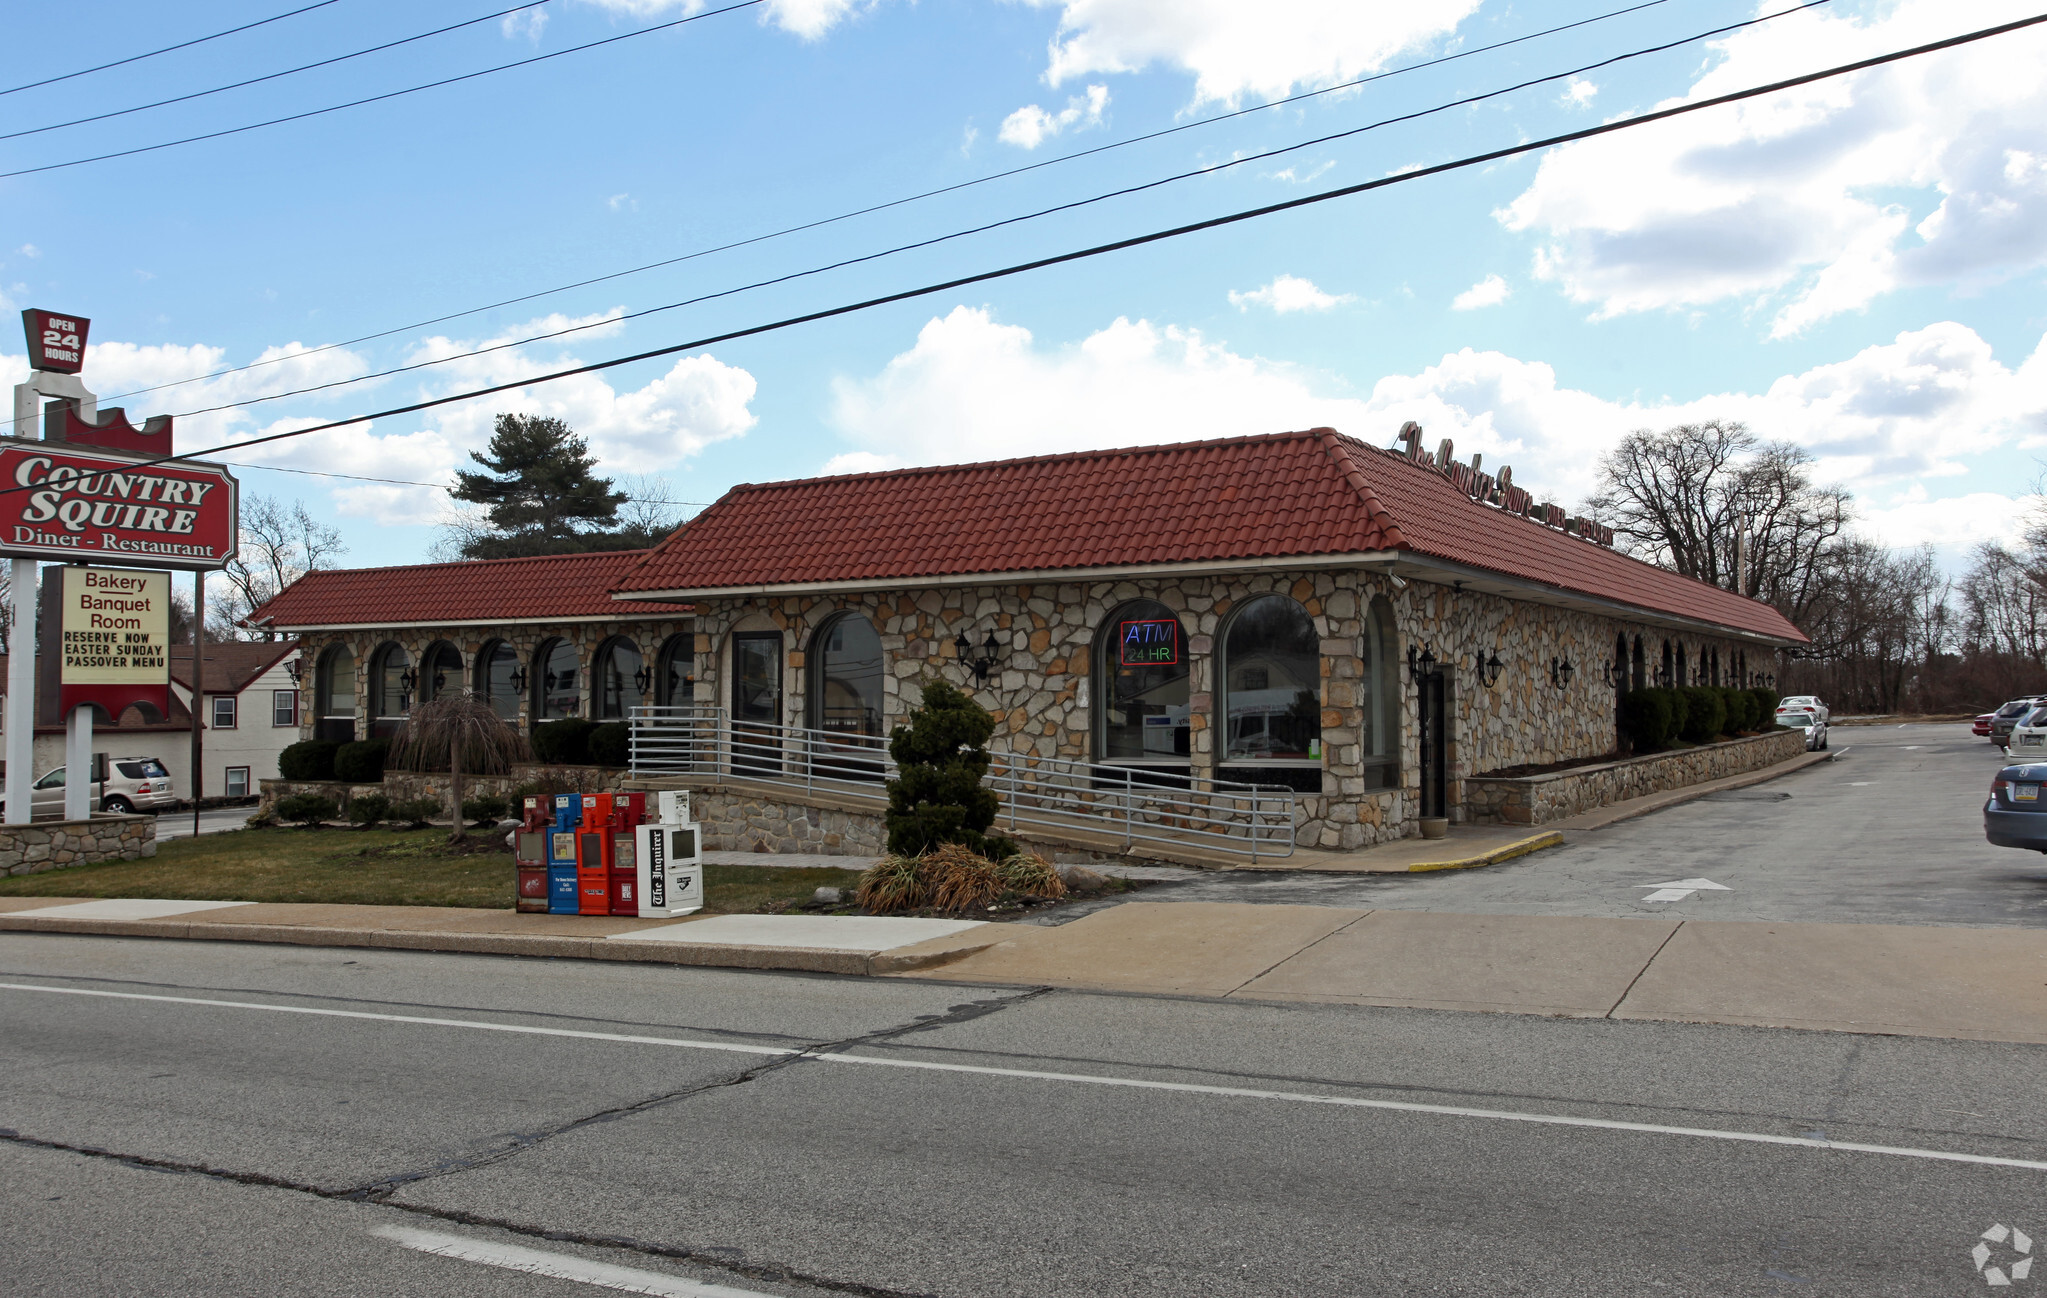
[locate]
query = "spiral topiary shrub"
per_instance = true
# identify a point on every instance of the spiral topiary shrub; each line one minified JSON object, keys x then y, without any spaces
{"x":941,"y":759}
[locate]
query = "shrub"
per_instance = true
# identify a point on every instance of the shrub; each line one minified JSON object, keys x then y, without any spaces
{"x":309,"y":759}
{"x":941,"y":758}
{"x":361,"y":762}
{"x":1705,"y":713}
{"x":1646,"y":719}
{"x":565,"y":742}
{"x":1766,"y":705}
{"x":957,"y":877}
{"x":308,"y":809}
{"x":1679,"y":709}
{"x":1031,"y":875}
{"x":610,"y":744}
{"x":1741,"y":710}
{"x":414,"y":812}
{"x":890,"y":886}
{"x":484,"y":809}
{"x":367,"y":809}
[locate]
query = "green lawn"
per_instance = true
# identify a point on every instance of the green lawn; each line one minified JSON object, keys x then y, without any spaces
{"x":377,"y":867}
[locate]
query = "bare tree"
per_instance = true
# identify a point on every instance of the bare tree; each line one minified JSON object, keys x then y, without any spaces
{"x":278,"y":545}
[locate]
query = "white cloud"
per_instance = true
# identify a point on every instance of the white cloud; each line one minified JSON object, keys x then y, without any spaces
{"x":1234,"y":49}
{"x":30,"y":251}
{"x":1951,"y":523}
{"x":1030,"y":126}
{"x":972,"y":388}
{"x":1288,"y":293}
{"x":1805,"y":200}
{"x":528,"y":23}
{"x":1579,"y":93}
{"x":1490,"y":291}
{"x":622,"y":202}
{"x":808,"y":19}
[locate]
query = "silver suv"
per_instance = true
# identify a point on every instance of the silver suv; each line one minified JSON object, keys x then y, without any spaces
{"x":132,"y":784}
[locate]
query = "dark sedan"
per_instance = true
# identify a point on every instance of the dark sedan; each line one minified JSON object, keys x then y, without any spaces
{"x":2014,"y":815}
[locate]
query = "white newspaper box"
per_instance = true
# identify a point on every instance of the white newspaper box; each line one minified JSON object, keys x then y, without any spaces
{"x":671,"y":807}
{"x":671,"y":867}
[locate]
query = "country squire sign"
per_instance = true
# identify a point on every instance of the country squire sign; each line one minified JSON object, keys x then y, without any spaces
{"x":1498,"y":490}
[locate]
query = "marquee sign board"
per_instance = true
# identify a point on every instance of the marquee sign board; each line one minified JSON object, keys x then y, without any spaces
{"x":78,"y":506}
{"x":116,"y":646}
{"x":56,"y":342}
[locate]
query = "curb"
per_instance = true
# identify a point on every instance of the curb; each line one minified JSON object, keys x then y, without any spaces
{"x":1601,"y":817}
{"x":1523,"y":847}
{"x":923,"y":955}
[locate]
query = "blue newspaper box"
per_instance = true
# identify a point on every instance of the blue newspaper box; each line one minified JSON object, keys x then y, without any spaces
{"x":563,"y":895}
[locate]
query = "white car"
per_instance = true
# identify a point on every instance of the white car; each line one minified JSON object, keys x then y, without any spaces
{"x":133,"y":784}
{"x":1812,"y":723}
{"x":2028,"y":739}
{"x":1805,"y":703}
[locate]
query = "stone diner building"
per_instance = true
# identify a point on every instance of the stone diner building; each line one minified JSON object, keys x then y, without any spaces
{"x":1366,"y":626}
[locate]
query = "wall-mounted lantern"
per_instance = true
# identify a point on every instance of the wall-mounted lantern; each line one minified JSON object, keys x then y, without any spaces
{"x":1489,"y":670}
{"x":1616,"y":674}
{"x":408,"y":679}
{"x":1422,"y":665}
{"x":293,"y":667}
{"x":1561,"y":672}
{"x":518,"y":679}
{"x":981,"y":662}
{"x":643,"y":678}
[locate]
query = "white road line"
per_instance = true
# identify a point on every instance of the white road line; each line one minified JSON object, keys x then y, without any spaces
{"x":1130,"y":1083}
{"x":559,"y":1266}
{"x":478,"y":1024}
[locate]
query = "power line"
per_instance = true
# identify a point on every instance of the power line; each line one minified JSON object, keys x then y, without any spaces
{"x":1195,"y":174}
{"x":407,"y":482}
{"x":1134,"y":241}
{"x":389,"y":94}
{"x":137,"y":58}
{"x":272,"y":76}
{"x":899,"y":202}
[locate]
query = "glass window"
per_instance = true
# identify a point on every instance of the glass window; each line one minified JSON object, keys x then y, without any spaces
{"x":284,"y":707}
{"x":441,"y":667}
{"x":223,"y":712}
{"x":756,"y":700}
{"x":1141,"y":708}
{"x":334,"y":695}
{"x":391,"y":683}
{"x":560,"y":684}
{"x":674,"y":687}
{"x":498,"y":678}
{"x":845,"y":677}
{"x":1379,"y":751}
{"x":1271,"y":674}
{"x":237,"y":781}
{"x":619,"y":678}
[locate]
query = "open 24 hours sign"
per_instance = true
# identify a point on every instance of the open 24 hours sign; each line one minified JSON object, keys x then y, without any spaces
{"x":79,"y":506}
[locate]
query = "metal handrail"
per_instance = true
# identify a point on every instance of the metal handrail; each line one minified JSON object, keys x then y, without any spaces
{"x":1142,"y":805}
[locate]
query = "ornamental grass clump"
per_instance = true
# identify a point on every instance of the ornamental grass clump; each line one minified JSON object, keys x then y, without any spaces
{"x":1029,"y":875}
{"x":957,"y":878}
{"x":891,"y":886}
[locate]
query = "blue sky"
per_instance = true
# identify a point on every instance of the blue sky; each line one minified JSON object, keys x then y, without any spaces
{"x":1854,"y":266}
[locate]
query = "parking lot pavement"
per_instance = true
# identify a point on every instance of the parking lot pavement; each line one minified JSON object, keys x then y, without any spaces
{"x":1891,"y":832}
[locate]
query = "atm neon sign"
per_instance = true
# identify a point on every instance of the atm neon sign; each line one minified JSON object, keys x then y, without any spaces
{"x":1150,"y":643}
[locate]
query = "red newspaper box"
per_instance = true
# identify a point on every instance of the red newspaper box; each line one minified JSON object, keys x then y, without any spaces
{"x":529,"y":850}
{"x":627,"y":810}
{"x":593,"y":856}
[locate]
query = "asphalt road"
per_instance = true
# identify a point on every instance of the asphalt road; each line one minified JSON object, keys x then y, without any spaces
{"x":1891,"y":832}
{"x":794,"y":1135}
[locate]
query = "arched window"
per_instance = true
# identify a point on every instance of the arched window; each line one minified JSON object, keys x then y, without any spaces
{"x":844,"y":690}
{"x":391,"y":685}
{"x":1271,"y":677}
{"x":1664,"y":677}
{"x":1641,"y":665}
{"x":621,"y":678}
{"x":1380,"y":751}
{"x":334,"y":695}
{"x":674,"y":686}
{"x":439,"y":667}
{"x":498,"y":679}
{"x":557,"y":681}
{"x":1681,"y":678}
{"x":1141,"y":698}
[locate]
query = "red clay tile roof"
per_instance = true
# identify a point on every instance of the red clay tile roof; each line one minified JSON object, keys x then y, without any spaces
{"x":544,"y":588}
{"x":1277,"y":496}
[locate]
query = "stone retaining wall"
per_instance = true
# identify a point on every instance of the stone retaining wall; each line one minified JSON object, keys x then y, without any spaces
{"x":53,"y":844}
{"x":1539,"y":799}
{"x":745,"y":822}
{"x":400,"y":786}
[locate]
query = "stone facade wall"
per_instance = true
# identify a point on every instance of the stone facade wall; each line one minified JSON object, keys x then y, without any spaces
{"x":650,"y":635}
{"x":1539,"y":799}
{"x":1041,"y":698}
{"x":53,"y":844}
{"x":745,"y":822}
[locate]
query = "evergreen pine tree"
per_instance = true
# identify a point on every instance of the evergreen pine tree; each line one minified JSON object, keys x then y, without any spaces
{"x":541,"y":494}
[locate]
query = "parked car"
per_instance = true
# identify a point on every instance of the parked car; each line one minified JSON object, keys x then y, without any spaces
{"x":2002,"y":721}
{"x":1812,"y":723}
{"x":133,"y":784}
{"x":2011,"y":818}
{"x":2029,"y":737}
{"x":1805,"y":703}
{"x":1982,"y":726}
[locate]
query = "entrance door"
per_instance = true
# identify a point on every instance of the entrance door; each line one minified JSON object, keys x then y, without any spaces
{"x":757,"y":701}
{"x":1435,"y":751}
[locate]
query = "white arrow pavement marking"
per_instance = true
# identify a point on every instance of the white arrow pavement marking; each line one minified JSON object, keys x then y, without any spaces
{"x":1679,"y":889}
